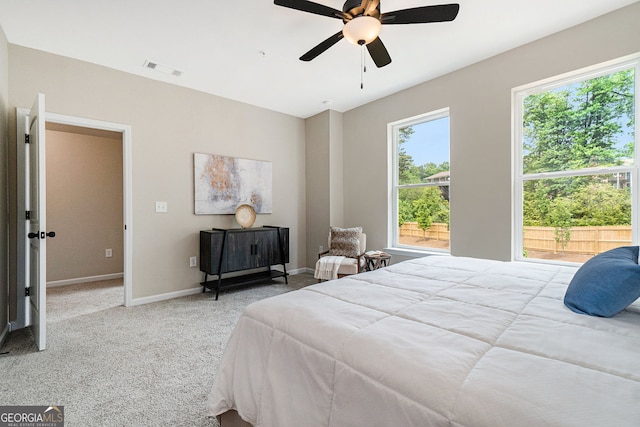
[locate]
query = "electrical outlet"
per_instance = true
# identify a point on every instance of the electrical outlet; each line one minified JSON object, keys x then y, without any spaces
{"x":193,"y":261}
{"x":108,"y":253}
{"x":320,"y":249}
{"x":161,"y":207}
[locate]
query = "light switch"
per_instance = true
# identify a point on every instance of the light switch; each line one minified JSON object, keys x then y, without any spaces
{"x":161,"y":207}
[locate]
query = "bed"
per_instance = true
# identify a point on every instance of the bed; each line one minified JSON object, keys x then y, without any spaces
{"x":436,"y":341}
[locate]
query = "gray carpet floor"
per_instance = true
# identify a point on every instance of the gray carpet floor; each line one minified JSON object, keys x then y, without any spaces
{"x":150,"y":365}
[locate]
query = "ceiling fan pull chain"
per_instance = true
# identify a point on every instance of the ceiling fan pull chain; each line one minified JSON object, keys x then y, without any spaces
{"x":363,"y":66}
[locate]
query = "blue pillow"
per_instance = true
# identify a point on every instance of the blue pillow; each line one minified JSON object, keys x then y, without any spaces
{"x":606,"y":284}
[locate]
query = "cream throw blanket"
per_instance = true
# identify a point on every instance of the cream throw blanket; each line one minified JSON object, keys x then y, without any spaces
{"x":327,"y":267}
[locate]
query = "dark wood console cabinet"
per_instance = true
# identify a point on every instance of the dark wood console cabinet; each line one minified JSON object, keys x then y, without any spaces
{"x":233,"y":250}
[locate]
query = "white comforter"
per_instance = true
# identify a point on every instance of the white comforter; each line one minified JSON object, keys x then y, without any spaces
{"x":438,"y":341}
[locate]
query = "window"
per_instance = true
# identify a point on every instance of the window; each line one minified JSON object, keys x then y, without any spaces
{"x":576,"y":164}
{"x":420,"y":182}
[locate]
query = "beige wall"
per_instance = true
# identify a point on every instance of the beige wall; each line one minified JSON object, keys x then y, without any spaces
{"x":479,"y":98}
{"x":336,"y":169}
{"x":169,"y":124}
{"x":4,"y":134}
{"x":324,"y":179}
{"x":84,"y":202}
{"x":318,"y":183}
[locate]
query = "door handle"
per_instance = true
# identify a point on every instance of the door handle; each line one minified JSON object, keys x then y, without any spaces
{"x":41,"y":235}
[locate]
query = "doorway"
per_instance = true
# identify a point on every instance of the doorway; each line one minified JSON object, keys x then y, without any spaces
{"x":123,"y":132}
{"x":84,"y":175}
{"x":23,"y":318}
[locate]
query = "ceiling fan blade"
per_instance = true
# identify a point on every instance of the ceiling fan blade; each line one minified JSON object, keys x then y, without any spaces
{"x":322,"y":46}
{"x":422,"y":15}
{"x":379,"y":53}
{"x":311,"y":7}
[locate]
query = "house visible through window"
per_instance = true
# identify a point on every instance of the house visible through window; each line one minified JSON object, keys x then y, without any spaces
{"x":420,"y":182}
{"x":576,"y":165}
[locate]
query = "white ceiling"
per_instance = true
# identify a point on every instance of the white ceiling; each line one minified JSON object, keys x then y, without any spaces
{"x":248,"y":50}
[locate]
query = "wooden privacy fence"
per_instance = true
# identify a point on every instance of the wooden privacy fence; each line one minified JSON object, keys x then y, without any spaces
{"x":437,"y":231}
{"x":583,"y":240}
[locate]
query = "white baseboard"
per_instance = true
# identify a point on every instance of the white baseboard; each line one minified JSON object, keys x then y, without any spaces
{"x":85,"y":280}
{"x":163,"y":297}
{"x":14,"y":326}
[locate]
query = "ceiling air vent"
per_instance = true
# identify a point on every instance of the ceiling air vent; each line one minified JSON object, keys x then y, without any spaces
{"x":162,"y":68}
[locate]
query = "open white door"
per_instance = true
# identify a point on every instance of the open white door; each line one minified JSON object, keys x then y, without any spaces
{"x":36,"y":206}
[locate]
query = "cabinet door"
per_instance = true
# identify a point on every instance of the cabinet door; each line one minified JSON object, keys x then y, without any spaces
{"x":239,"y":251}
{"x":266,"y":247}
{"x":210,"y":250}
{"x":272,"y":245}
{"x":284,"y":236}
{"x":269,"y":241}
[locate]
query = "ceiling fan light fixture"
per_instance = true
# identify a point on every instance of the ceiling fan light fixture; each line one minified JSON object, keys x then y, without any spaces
{"x":362,"y":29}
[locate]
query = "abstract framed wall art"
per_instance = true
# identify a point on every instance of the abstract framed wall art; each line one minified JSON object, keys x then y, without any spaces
{"x":224,"y":183}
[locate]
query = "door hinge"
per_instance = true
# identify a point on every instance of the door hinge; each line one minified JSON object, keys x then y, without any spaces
{"x":26,"y":138}
{"x":27,"y":292}
{"x":28,"y":215}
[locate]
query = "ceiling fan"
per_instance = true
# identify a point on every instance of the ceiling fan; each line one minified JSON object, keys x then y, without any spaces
{"x":363,"y":21}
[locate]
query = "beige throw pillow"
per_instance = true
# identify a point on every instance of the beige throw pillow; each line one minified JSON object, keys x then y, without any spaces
{"x":345,"y":241}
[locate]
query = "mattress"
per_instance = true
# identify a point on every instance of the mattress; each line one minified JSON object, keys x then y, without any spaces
{"x":436,"y":341}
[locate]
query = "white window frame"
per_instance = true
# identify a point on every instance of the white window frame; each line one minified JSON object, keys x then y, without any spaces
{"x":394,"y":186}
{"x":518,"y":96}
